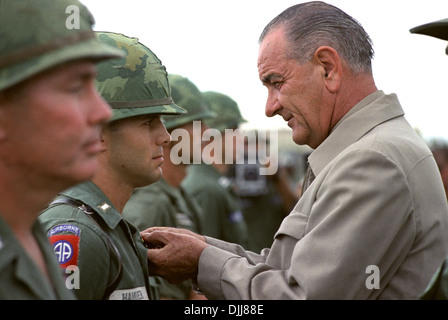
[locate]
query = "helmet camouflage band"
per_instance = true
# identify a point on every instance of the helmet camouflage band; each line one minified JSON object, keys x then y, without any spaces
{"x":34,"y":37}
{"x":229,"y":115}
{"x":136,"y":84}
{"x":187,"y":95}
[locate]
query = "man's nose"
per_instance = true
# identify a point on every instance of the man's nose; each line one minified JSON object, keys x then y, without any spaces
{"x":272,"y":105}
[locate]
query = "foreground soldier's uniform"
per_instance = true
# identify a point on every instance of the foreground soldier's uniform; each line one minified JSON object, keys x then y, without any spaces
{"x":33,"y":39}
{"x":83,"y":225}
{"x":20,"y":278}
{"x":108,"y":241}
{"x":438,"y":286}
{"x":161,"y":204}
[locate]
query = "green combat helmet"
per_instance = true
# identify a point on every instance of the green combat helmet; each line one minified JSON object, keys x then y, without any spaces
{"x":40,"y":34}
{"x":188,"y":96}
{"x":136,"y":84}
{"x":437,"y":29}
{"x":229,"y":115}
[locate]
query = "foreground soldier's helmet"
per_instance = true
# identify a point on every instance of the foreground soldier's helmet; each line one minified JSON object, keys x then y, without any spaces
{"x":187,"y":95}
{"x":40,"y":34}
{"x":136,"y":84}
{"x":227,"y":110}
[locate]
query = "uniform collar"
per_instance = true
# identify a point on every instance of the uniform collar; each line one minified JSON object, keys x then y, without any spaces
{"x":363,"y":117}
{"x":90,"y":194}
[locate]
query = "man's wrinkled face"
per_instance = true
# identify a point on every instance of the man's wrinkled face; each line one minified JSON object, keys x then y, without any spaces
{"x":295,"y":91}
{"x":50,"y":124}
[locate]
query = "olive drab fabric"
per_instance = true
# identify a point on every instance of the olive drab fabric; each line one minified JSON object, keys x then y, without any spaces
{"x":137,"y":84}
{"x":90,"y":248}
{"x":20,"y":277}
{"x":33,"y":40}
{"x":187,"y":95}
{"x":229,"y":113}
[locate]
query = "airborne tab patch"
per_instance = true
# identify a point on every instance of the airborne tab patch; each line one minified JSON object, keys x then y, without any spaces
{"x":64,"y":228}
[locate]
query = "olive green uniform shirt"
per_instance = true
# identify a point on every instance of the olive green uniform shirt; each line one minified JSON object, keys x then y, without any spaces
{"x":263,"y":215}
{"x":20,"y":277}
{"x":222,"y":217}
{"x":437,"y":288}
{"x":78,"y":240}
{"x":160,"y":204}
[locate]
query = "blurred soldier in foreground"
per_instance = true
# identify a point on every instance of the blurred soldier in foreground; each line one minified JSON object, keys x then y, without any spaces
{"x":50,"y":121}
{"x":166,"y":202}
{"x":372,"y":218}
{"x":222,"y":216}
{"x":438,"y":287}
{"x":106,"y":249}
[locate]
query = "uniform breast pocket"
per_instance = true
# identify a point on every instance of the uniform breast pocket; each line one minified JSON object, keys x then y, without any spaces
{"x":294,"y":225}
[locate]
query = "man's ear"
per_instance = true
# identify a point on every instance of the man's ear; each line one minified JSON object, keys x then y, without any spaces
{"x":331,"y":66}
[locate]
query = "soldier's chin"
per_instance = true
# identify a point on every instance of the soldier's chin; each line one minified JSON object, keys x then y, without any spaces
{"x":81,"y":173}
{"x":155,"y":176}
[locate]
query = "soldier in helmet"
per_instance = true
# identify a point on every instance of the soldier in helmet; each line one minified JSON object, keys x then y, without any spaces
{"x":50,"y":119}
{"x":166,"y":202}
{"x":437,"y":289}
{"x":437,"y":29}
{"x":208,"y":183}
{"x":103,"y":250}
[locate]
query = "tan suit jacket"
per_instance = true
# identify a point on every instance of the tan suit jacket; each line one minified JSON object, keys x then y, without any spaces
{"x":372,"y":225}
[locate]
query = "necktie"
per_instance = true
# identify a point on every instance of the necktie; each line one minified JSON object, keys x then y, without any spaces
{"x":309,"y":178}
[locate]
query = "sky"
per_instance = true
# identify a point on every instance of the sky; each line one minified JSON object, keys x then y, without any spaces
{"x":215,"y":45}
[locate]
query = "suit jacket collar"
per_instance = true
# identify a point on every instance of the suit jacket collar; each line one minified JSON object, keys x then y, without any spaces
{"x":362,"y":118}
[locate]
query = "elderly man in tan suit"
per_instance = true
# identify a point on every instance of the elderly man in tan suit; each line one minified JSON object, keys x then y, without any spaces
{"x":371,"y":222}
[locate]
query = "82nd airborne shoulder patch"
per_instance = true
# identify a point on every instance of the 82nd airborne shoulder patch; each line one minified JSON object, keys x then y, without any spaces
{"x":64,"y":239}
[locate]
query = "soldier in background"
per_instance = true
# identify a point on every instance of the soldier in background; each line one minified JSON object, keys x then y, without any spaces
{"x":440,"y":152}
{"x":438,"y":29}
{"x":166,"y":202}
{"x":50,"y":120}
{"x":222,"y":216}
{"x":107,"y":250}
{"x":438,"y":286}
{"x":265,"y":199}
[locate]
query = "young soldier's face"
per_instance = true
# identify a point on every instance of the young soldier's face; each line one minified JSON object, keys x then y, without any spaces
{"x":50,"y":124}
{"x":133,"y":149}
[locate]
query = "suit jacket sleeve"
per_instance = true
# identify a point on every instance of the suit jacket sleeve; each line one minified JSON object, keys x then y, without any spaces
{"x":357,"y":213}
